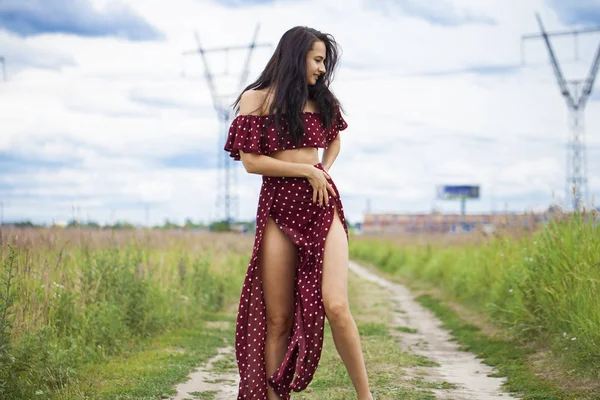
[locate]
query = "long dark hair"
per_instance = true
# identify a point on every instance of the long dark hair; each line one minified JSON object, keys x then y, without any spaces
{"x":286,"y":71}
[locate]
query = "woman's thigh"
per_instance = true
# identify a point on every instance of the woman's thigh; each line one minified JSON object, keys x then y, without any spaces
{"x":335,"y":266}
{"x":277,"y":259}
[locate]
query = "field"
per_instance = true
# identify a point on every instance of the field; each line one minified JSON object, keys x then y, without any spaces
{"x":538,"y":289}
{"x":75,"y":298}
{"x":127,"y":314}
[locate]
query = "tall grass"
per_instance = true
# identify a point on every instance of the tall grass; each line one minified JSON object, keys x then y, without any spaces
{"x":542,"y":285}
{"x":70,"y":297}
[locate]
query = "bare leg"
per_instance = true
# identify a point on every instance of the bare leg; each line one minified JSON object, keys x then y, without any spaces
{"x":335,"y":299}
{"x":277,"y":266}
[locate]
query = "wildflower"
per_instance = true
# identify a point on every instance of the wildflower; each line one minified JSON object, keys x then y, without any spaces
{"x":573,"y":338}
{"x":510,"y":290}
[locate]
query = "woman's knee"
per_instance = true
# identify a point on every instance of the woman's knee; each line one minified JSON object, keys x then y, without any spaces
{"x":280,"y":324}
{"x":337,"y":311}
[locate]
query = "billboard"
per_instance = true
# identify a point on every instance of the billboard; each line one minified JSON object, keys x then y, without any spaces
{"x":451,"y":192}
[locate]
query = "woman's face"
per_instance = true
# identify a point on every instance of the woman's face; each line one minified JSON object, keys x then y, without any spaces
{"x":315,"y":62}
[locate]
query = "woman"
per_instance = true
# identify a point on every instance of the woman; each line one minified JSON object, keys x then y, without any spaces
{"x":299,"y":267}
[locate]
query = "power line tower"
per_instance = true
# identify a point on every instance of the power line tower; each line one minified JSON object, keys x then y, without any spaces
{"x":576,"y":97}
{"x":222,"y":105}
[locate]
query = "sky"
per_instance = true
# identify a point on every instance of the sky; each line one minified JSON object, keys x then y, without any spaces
{"x":103,"y":116}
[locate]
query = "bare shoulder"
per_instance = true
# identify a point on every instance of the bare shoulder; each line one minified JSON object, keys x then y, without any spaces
{"x":252,"y":102}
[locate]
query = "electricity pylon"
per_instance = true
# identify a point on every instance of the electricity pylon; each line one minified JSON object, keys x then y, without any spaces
{"x":576,"y":99}
{"x":222,"y":105}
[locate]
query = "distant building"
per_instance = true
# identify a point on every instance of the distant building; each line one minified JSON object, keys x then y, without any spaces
{"x":375,"y":223}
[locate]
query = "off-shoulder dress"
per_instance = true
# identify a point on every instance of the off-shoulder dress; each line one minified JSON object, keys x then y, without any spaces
{"x":288,"y":201}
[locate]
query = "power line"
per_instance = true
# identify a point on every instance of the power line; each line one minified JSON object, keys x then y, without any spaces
{"x":576,"y":98}
{"x":226,"y":172}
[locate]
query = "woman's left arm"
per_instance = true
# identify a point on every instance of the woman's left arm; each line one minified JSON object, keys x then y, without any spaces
{"x":331,"y":153}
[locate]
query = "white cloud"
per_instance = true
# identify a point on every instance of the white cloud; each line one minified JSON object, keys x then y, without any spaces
{"x":120,"y":113}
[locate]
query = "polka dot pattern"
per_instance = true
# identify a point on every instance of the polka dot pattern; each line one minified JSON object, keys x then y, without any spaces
{"x":255,"y":134}
{"x":288,"y":201}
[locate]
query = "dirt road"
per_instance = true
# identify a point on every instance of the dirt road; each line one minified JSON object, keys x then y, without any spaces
{"x":217,"y":380}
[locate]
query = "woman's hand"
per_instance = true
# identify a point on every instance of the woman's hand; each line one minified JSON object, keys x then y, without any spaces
{"x":318,"y":180}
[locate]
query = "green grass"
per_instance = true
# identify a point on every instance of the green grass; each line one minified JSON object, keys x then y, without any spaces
{"x":206,"y":395}
{"x":541,"y":289}
{"x":153,"y":371}
{"x":129,"y":318}
{"x":90,"y":315}
{"x":71,"y":301}
{"x":418,"y":382}
{"x":405,"y":329}
{"x":226,"y":364}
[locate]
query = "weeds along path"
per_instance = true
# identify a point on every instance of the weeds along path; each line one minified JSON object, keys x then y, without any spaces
{"x":424,"y":336}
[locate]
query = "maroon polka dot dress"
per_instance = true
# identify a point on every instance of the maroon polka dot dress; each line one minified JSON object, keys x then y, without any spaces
{"x":289,"y":202}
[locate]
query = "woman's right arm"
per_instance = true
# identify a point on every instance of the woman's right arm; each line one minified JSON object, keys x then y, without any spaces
{"x":250,"y":104}
{"x":269,"y":166}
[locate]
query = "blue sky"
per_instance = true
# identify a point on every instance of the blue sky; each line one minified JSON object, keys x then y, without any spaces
{"x":74,"y":17}
{"x":103,"y":115}
{"x":581,"y":12}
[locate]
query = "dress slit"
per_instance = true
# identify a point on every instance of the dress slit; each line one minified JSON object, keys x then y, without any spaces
{"x":289,"y":202}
